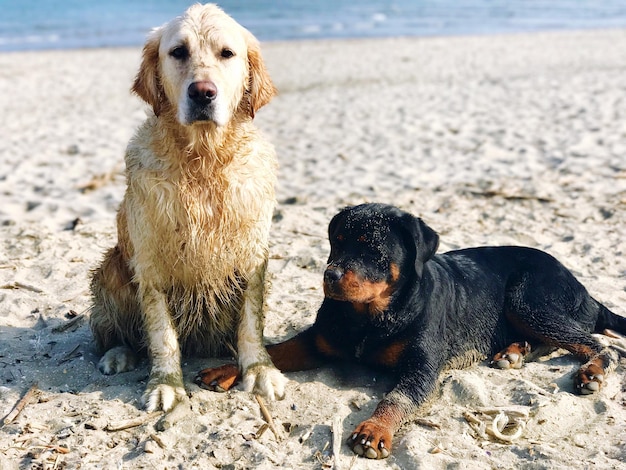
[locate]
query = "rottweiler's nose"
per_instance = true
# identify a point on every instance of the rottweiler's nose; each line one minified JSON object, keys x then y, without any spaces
{"x":332,"y":274}
{"x":202,"y":92}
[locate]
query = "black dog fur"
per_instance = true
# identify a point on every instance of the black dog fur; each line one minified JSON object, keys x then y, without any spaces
{"x":391,"y":302}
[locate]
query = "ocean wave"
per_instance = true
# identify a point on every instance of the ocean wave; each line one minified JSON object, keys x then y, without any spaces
{"x":48,"y":24}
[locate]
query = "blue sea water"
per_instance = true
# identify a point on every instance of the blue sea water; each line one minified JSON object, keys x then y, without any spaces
{"x":63,"y":24}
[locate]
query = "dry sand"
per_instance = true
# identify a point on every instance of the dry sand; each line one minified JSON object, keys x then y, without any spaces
{"x":517,"y":139}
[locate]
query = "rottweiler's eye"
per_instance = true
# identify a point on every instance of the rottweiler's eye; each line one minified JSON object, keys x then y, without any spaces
{"x":227,"y":53}
{"x":179,"y":53}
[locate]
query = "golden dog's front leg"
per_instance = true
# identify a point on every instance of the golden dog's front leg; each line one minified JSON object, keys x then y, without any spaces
{"x":259,"y":374}
{"x":165,"y":386}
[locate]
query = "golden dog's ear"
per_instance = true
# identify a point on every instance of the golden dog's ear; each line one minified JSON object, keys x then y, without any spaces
{"x":261,"y":88}
{"x":147,"y":83}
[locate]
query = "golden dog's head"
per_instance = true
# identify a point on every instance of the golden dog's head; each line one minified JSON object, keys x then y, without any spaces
{"x":203,"y":67}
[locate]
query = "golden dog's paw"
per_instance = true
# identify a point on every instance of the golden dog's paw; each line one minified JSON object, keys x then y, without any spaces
{"x":162,"y":397}
{"x":164,"y":391}
{"x":116,"y":360}
{"x":265,"y":380}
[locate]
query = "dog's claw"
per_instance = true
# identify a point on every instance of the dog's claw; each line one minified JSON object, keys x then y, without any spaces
{"x":512,"y":357}
{"x":591,"y":387}
{"x":589,"y":379}
{"x":162,"y":397}
{"x":502,"y":364}
{"x":369,"y":440}
{"x":117,"y":360}
{"x":212,"y":386}
{"x":217,"y":379}
{"x":215,"y":386}
{"x":265,"y":380}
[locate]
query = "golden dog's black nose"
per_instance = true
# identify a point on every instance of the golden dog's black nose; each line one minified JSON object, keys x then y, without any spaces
{"x":202,"y":92}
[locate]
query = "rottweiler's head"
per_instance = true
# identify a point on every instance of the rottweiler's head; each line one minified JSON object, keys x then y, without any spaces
{"x":374,"y":249}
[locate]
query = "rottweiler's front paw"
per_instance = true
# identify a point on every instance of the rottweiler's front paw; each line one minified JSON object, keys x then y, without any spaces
{"x":265,"y":380}
{"x":512,"y":357}
{"x":589,"y":379}
{"x":371,"y":439}
{"x":218,"y":379}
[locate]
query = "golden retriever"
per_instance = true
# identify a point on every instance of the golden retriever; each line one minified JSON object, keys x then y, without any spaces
{"x":187,"y":274}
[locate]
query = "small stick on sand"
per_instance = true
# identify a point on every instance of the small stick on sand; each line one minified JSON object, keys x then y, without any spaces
{"x":57,"y":461}
{"x":337,"y":441}
{"x":268,"y":417}
{"x":428,"y":423}
{"x":70,"y":355}
{"x":21,"y":285}
{"x":100,"y":180}
{"x":58,"y":449}
{"x":613,"y":334}
{"x":264,"y":427}
{"x":513,"y":411}
{"x":32,"y":392}
{"x":73,"y":324}
{"x":158,"y":440}
{"x":131,"y":423}
{"x":305,"y":436}
{"x":498,"y":423}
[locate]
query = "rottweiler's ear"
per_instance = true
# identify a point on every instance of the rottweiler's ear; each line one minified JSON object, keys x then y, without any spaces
{"x":333,"y":226}
{"x":425,"y":239}
{"x":334,"y":222}
{"x":147,"y":84}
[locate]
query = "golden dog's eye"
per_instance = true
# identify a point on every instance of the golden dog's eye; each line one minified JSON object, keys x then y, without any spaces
{"x":180,"y":53}
{"x":227,"y":53}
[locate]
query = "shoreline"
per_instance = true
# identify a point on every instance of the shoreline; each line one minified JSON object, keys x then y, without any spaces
{"x":303,"y":42}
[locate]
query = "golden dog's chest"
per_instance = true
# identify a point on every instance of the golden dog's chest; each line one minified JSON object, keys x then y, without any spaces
{"x":188,"y":233}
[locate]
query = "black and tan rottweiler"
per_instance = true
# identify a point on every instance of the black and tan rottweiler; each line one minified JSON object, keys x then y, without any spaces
{"x":391,"y":302}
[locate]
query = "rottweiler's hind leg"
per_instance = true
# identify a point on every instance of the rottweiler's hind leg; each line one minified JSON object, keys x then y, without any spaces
{"x":552,"y":308}
{"x":561,"y":331}
{"x":600,"y":362}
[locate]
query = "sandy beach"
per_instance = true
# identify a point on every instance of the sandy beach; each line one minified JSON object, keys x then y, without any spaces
{"x":517,"y":139}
